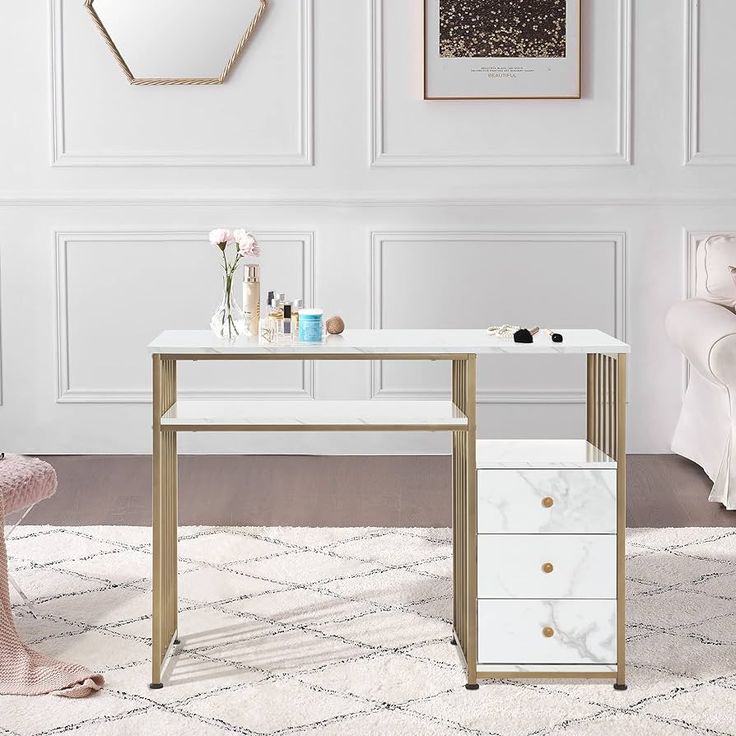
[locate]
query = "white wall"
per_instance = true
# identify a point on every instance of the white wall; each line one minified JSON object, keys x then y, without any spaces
{"x":370,"y":201}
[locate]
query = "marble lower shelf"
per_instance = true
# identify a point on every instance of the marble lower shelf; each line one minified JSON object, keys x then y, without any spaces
{"x":324,"y":416}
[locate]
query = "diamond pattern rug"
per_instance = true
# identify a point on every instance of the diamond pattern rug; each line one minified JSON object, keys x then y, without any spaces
{"x":346,"y":631}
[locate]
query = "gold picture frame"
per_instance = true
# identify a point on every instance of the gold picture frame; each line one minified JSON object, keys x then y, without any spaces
{"x":153,"y":81}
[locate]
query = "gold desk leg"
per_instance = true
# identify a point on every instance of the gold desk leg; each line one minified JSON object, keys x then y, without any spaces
{"x":165,"y":518}
{"x":606,"y":430}
{"x":620,"y":422}
{"x":464,"y":527}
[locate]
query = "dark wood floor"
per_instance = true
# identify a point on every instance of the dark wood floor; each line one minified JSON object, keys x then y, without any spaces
{"x":663,"y":490}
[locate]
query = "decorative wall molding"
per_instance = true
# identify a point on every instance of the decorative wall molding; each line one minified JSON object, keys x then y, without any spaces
{"x":304,"y":156}
{"x":690,"y":240}
{"x":621,"y":156}
{"x":693,"y":154}
{"x":189,"y":199}
{"x":495,"y":396}
{"x":67,"y":393}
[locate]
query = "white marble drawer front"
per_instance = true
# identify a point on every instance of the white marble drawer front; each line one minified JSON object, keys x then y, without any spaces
{"x":547,"y":632}
{"x":546,"y":566}
{"x":547,"y":501}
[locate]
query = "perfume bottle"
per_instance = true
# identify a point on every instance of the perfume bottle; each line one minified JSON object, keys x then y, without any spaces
{"x":296,"y":305}
{"x":287,"y":323}
{"x":252,"y":298}
{"x":276,"y":317}
{"x":266,"y":330}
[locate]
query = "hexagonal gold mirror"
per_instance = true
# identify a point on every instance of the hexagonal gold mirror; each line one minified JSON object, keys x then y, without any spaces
{"x":176,"y":41}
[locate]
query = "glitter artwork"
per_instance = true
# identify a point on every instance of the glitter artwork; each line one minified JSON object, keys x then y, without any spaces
{"x":503,"y":28}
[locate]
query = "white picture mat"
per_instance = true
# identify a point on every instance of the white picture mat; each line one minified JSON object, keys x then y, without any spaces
{"x":517,"y":77}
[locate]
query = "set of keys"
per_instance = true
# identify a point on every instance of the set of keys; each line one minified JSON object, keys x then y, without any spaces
{"x":527,"y":335}
{"x":521,"y":334}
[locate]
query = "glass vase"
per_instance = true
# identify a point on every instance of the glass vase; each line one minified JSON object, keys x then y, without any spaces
{"x":229,"y":320}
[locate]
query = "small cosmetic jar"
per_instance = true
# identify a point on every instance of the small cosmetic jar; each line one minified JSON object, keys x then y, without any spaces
{"x":311,"y":325}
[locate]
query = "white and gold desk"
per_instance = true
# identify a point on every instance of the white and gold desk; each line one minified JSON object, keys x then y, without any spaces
{"x":568,"y":517}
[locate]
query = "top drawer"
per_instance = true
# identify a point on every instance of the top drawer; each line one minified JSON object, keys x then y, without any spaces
{"x":547,"y":501}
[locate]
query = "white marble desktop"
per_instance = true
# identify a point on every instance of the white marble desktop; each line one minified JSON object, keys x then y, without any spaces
{"x":520,"y":454}
{"x":416,"y":342}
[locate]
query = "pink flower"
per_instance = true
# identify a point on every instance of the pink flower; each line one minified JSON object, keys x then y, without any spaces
{"x":221,"y":237}
{"x":247,"y":245}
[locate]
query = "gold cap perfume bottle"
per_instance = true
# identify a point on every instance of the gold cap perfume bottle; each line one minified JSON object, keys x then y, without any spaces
{"x":252,"y":298}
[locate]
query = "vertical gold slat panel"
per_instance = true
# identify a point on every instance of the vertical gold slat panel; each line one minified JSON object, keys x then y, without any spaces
{"x":589,"y":398}
{"x":156,"y":622}
{"x":167,"y":546}
{"x":455,"y":516}
{"x":472,"y":525}
{"x":164,"y":515}
{"x":614,"y":399}
{"x":596,"y":400}
{"x":465,"y":531}
{"x":167,"y":493}
{"x":621,"y":518}
{"x":167,"y":501}
{"x":175,"y":514}
{"x":172,"y":521}
{"x":602,"y":401}
{"x":461,"y":464}
{"x":612,"y":405}
{"x":606,"y":406}
{"x":601,"y":404}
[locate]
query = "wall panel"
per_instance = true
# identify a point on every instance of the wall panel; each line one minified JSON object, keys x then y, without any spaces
{"x":262,"y":117}
{"x":709,"y":107}
{"x":375,"y":204}
{"x":117,"y":290}
{"x":407,"y":130}
{"x":473,"y":279}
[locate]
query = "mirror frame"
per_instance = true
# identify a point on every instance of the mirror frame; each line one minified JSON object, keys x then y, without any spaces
{"x":151,"y":81}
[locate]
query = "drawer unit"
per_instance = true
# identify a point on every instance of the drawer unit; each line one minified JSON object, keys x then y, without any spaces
{"x":547,"y":501}
{"x":548,"y":557}
{"x":554,"y":632}
{"x":546,"y":566}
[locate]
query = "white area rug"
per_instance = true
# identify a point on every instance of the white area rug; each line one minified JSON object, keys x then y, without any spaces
{"x":346,"y":631}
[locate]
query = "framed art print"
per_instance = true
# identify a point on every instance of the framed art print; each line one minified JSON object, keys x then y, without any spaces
{"x":501,"y":49}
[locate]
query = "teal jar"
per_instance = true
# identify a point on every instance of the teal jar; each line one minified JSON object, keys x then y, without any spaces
{"x":310,"y":325}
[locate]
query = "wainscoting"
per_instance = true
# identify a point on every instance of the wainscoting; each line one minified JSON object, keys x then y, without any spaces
{"x":371,"y":202}
{"x":396,"y":491}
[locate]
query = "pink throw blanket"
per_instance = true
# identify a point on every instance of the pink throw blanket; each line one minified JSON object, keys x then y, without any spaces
{"x":24,"y":671}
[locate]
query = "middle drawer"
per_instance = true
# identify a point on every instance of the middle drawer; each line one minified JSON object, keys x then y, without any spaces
{"x":546,"y":566}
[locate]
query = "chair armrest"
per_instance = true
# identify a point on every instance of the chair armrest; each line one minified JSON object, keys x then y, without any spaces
{"x":706,"y":335}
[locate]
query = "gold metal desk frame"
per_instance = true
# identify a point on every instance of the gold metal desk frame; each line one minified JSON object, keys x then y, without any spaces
{"x":165,"y":516}
{"x":606,"y":429}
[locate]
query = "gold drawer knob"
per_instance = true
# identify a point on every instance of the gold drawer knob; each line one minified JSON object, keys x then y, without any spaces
{"x":548,"y":567}
{"x":548,"y":502}
{"x":548,"y":631}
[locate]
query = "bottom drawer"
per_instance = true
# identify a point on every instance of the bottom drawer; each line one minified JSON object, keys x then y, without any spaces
{"x":547,"y":631}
